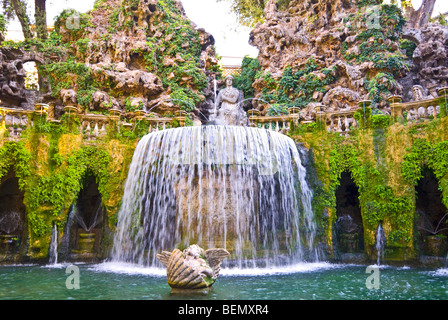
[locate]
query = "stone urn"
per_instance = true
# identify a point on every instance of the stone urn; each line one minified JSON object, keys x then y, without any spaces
{"x":436,"y":246}
{"x":41,"y":108}
{"x":394,"y":99}
{"x":140,"y":113}
{"x":69,"y":110}
{"x":115,"y":112}
{"x":181,"y":116}
{"x":293,"y":110}
{"x":86,"y":242}
{"x":443,"y":92}
{"x":253,"y":113}
{"x":193,"y":268}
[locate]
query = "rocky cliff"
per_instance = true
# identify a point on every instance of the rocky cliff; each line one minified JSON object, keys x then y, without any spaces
{"x":123,"y":54}
{"x":339,"y":52}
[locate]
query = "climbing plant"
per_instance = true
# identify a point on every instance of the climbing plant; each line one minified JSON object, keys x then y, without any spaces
{"x":15,"y":155}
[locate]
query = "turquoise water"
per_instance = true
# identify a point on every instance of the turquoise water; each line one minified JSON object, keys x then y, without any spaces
{"x":307,"y":281}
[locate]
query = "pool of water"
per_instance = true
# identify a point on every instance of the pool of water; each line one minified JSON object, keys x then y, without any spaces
{"x":322,"y":281}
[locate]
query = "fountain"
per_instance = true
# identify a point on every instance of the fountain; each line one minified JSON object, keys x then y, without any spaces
{"x":225,"y":186}
{"x":240,"y":188}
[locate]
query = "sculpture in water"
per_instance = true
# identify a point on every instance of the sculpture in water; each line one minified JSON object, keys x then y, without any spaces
{"x":193,"y":268}
{"x":228,"y":107}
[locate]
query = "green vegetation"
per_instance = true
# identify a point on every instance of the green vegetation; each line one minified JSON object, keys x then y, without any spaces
{"x":296,"y":88}
{"x":385,"y":161}
{"x":374,"y":46}
{"x":3,"y":24}
{"x":249,"y":69}
{"x":68,"y":49}
{"x":51,"y":162}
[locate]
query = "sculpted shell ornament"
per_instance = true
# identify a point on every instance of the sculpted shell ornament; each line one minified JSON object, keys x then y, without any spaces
{"x":193,"y":268}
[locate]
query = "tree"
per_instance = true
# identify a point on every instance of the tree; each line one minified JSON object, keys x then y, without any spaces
{"x":419,"y":18}
{"x":40,"y":17}
{"x":3,"y":23}
{"x":249,"y":12}
{"x":18,"y":8}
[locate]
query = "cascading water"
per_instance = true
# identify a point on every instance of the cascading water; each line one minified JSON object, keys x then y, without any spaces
{"x":380,"y":243}
{"x":53,"y":253}
{"x":239,"y":188}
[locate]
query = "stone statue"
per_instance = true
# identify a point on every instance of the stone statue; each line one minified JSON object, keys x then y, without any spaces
{"x":228,"y":108}
{"x":418,"y":93}
{"x":193,"y":268}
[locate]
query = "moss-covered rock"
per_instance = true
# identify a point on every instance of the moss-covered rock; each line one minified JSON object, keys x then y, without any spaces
{"x":385,"y":171}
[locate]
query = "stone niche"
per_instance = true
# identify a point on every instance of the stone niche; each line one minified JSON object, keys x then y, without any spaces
{"x":87,"y":228}
{"x":348,"y":227}
{"x":432,"y":217}
{"x":12,"y":215}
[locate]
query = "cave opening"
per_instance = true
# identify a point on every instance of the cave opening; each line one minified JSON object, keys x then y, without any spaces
{"x":432,"y":216}
{"x":88,"y":218}
{"x":349,"y":231}
{"x":12,"y":212}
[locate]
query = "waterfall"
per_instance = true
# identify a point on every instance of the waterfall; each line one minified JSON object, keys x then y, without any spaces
{"x":239,"y":188}
{"x":380,"y":243}
{"x":64,"y":247}
{"x":53,"y":253}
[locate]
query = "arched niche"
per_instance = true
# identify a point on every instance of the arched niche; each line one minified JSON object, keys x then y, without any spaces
{"x":87,"y":221}
{"x":349,"y":231}
{"x":12,"y":212}
{"x":432,"y":216}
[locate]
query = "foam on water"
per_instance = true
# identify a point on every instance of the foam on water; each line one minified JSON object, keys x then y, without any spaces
{"x":134,"y":269}
{"x":295,"y":268}
{"x":128,"y":268}
{"x":443,"y":272}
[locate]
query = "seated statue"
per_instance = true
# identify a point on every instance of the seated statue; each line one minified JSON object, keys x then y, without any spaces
{"x":228,"y":108}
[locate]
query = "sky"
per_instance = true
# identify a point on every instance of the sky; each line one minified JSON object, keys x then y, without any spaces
{"x":231,"y":39}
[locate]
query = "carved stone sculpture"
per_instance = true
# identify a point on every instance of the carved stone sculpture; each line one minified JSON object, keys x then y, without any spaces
{"x":68,"y":96}
{"x":193,"y":268}
{"x":229,"y":110}
{"x":418,"y":93}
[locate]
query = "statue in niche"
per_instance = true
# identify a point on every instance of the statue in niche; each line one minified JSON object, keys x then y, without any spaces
{"x":199,"y":269}
{"x":228,"y":107}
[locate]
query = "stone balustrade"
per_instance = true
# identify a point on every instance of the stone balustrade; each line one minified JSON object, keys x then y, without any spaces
{"x":94,"y":126}
{"x":339,"y":121}
{"x":280,"y":123}
{"x":15,"y":121}
{"x":416,"y":110}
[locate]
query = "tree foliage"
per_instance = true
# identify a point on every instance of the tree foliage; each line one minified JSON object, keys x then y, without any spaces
{"x":249,"y":12}
{"x":17,"y":8}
